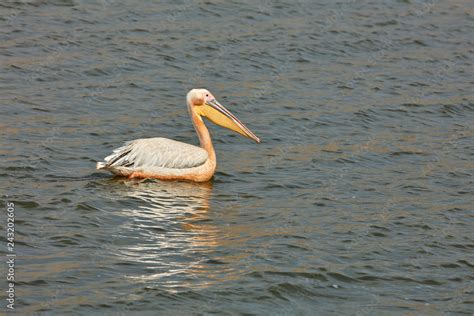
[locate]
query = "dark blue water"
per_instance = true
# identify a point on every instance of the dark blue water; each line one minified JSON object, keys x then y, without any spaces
{"x":358,"y":201}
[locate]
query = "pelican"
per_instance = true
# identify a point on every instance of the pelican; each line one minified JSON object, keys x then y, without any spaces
{"x":167,"y":159}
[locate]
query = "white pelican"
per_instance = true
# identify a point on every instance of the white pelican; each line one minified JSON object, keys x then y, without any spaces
{"x":167,"y":159}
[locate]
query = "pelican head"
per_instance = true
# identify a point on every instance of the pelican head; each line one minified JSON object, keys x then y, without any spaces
{"x":203,"y":103}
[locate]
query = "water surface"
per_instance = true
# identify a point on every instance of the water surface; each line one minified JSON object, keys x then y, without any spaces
{"x":358,"y":201}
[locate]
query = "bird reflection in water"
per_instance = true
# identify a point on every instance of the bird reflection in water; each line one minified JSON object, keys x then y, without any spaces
{"x":168,"y":237}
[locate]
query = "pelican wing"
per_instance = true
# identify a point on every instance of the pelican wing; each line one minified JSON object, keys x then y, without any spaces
{"x":156,"y":152}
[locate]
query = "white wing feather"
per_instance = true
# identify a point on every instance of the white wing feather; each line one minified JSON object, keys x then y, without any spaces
{"x":155,"y":152}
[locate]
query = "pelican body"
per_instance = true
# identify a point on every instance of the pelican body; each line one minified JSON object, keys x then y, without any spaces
{"x":167,"y":159}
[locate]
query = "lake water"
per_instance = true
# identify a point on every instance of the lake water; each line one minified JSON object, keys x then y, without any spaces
{"x":359,"y":200}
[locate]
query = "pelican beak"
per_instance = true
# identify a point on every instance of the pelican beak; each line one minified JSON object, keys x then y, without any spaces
{"x":219,"y":115}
